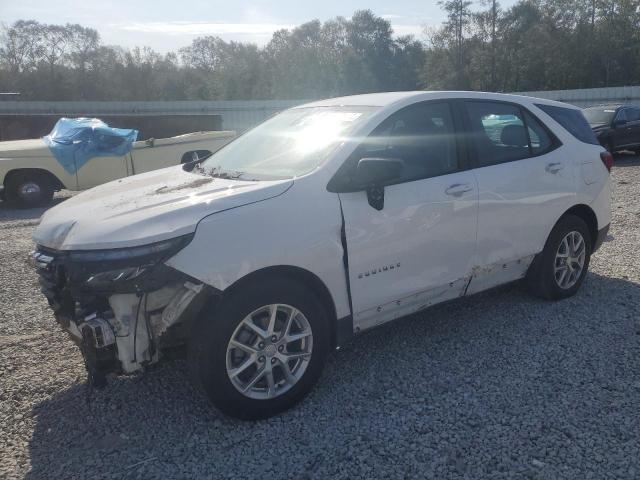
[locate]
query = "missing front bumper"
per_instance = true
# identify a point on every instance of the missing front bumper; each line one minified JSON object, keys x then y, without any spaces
{"x":121,"y":331}
{"x":98,"y":346}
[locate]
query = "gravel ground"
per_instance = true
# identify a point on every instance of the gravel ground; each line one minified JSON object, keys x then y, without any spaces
{"x":496,"y":386}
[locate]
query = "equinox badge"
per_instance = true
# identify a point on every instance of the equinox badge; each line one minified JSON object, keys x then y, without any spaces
{"x":375,"y":271}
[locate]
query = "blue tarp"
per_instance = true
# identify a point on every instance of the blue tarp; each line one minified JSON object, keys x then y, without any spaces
{"x":74,"y":141}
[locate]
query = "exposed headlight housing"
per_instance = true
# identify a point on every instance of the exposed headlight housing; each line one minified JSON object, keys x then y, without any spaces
{"x":100,"y":280}
{"x":154,"y":251}
{"x":123,"y":269}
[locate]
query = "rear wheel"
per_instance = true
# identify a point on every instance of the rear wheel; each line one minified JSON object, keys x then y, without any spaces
{"x":560,"y":269}
{"x":28,"y":189}
{"x":610,"y":147}
{"x":262,"y":350}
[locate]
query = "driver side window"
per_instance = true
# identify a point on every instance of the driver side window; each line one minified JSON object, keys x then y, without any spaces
{"x":422,"y":136}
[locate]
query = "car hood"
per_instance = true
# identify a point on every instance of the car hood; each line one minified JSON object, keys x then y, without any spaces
{"x":146,"y":208}
{"x":598,"y":126}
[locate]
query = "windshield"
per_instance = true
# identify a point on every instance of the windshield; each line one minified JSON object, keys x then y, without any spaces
{"x":599,"y":115}
{"x":290,"y":144}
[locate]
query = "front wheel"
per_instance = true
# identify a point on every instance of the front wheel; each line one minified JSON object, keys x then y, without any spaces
{"x":262,"y":350}
{"x":560,"y":269}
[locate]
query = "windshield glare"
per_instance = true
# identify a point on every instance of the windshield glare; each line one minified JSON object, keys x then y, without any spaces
{"x":599,"y":115}
{"x":290,"y":144}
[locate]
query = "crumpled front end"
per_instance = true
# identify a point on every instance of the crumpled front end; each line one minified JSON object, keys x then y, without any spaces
{"x":124,"y":308}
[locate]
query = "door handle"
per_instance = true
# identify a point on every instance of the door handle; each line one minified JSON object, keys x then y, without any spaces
{"x":554,"y":167}
{"x":458,"y":189}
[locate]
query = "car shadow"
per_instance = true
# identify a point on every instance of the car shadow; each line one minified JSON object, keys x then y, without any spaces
{"x":9,"y":213}
{"x":158,"y":425}
{"x":626,"y":159}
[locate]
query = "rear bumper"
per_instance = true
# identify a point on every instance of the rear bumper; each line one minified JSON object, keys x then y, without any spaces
{"x":602,"y":235}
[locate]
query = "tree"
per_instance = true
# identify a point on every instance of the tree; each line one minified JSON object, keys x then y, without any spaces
{"x":83,"y":45}
{"x":532,"y":45}
{"x":54,"y":40}
{"x":20,"y":48}
{"x":458,"y":20}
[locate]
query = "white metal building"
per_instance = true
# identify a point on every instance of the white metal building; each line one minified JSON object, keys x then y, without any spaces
{"x":240,"y":115}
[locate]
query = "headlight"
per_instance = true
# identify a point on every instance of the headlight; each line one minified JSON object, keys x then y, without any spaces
{"x":120,"y":275}
{"x":124,"y":269}
{"x":154,"y":251}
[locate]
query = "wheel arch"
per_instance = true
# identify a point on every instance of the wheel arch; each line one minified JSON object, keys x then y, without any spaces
{"x":309,"y":279}
{"x":54,"y":181}
{"x":587,"y":214}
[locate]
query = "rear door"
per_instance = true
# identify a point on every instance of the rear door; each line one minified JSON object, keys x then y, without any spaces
{"x":418,"y":249}
{"x":633,"y":118}
{"x":525,"y":183}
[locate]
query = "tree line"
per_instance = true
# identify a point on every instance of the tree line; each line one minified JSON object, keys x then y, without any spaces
{"x":533,"y":45}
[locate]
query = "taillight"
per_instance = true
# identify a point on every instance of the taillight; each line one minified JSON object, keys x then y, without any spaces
{"x":607,"y":159}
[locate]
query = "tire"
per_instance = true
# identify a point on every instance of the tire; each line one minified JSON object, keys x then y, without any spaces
{"x":543,"y":279}
{"x":26,"y":189}
{"x":610,"y":147}
{"x":211,"y":356}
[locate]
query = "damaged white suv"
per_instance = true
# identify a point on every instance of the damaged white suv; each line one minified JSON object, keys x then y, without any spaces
{"x":326,"y":220}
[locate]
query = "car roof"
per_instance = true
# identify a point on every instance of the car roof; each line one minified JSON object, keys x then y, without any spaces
{"x":386,"y":99}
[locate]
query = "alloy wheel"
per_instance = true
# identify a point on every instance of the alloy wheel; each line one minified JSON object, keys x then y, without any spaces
{"x":269,"y":351}
{"x":569,"y":260}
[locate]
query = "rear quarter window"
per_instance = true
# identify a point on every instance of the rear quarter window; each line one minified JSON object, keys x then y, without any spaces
{"x":572,"y":120}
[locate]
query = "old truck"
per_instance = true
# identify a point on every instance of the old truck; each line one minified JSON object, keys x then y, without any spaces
{"x":31,"y":170}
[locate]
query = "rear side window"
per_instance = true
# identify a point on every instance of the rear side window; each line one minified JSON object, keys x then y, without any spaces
{"x":540,"y":140}
{"x":504,"y":132}
{"x":572,"y":120}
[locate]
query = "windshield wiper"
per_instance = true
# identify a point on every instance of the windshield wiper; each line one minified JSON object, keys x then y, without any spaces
{"x":218,"y":172}
{"x":229,"y":175}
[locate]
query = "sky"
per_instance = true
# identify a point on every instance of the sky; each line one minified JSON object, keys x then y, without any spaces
{"x":169,"y":25}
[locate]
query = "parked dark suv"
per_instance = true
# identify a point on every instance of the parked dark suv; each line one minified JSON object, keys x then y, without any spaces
{"x":617,"y":127}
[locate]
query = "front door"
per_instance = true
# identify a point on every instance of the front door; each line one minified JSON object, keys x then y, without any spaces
{"x":417,"y":250}
{"x":622,"y":132}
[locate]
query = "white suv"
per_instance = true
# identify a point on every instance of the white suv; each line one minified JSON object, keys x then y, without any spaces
{"x":326,"y":220}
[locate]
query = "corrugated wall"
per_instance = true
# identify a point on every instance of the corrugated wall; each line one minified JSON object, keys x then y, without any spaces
{"x":240,"y":115}
{"x":591,"y":96}
{"x":236,"y":114}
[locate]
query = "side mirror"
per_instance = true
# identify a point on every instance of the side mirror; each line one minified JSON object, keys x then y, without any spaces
{"x":372,"y":173}
{"x":195,"y":156}
{"x":619,"y":122}
{"x":378,"y":170}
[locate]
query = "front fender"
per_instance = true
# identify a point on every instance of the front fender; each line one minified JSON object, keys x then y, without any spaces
{"x":300,"y":228}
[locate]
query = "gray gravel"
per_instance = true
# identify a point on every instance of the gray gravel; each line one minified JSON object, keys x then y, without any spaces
{"x":496,"y":386}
